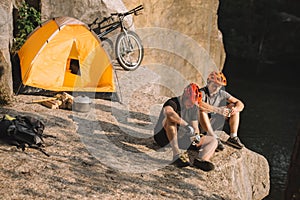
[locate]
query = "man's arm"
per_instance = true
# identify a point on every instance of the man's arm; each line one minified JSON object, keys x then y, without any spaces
{"x":194,"y":124}
{"x":173,"y":116}
{"x":205,"y":107}
{"x":237,"y":105}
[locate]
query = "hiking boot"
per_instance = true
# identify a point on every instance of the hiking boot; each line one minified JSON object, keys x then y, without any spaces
{"x":204,"y":165}
{"x":220,"y":146}
{"x":193,"y":148}
{"x":235,"y":142}
{"x":181,"y":160}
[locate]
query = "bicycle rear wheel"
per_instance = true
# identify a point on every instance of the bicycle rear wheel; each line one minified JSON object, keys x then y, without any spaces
{"x":129,"y":50}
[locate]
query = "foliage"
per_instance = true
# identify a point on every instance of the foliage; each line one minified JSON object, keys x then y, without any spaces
{"x":29,"y":18}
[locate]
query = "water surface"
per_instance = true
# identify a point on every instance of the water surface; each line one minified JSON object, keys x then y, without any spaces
{"x":270,"y":120}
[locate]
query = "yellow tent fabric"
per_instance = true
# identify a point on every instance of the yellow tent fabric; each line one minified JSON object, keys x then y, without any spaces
{"x":47,"y":55}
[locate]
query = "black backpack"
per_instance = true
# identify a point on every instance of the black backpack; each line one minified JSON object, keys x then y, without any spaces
{"x":23,"y":131}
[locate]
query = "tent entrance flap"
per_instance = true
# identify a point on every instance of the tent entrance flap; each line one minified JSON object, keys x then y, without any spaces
{"x":73,"y":65}
{"x":74,"y":52}
{"x":72,"y":70}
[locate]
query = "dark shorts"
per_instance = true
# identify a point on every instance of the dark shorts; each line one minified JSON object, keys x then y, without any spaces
{"x":162,"y":140}
{"x":217,"y":122}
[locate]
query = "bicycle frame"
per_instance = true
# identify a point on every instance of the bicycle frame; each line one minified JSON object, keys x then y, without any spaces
{"x":112,"y":27}
{"x":128,"y":47}
{"x":116,"y":24}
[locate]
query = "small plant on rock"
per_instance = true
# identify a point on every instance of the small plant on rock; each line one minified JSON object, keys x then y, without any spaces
{"x":29,"y":18}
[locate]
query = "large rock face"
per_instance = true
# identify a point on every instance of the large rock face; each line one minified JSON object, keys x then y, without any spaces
{"x":241,"y":174}
{"x":182,"y":43}
{"x":85,"y":11}
{"x":181,"y":38}
{"x":192,"y":18}
{"x":5,"y":42}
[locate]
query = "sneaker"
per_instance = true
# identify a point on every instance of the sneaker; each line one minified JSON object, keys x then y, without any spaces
{"x":220,"y":146}
{"x":181,"y":160}
{"x":235,"y":142}
{"x":204,"y":165}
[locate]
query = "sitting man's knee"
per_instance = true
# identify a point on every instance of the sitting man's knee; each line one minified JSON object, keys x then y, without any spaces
{"x":167,"y":124}
{"x":213,"y":141}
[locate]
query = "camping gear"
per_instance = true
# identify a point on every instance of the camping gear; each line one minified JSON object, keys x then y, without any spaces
{"x":62,"y":54}
{"x":23,"y":131}
{"x":59,"y":101}
{"x":82,"y":104}
{"x":43,"y":100}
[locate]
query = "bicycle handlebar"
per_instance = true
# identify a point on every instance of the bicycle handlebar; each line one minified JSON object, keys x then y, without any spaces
{"x":138,"y":8}
{"x":133,"y":11}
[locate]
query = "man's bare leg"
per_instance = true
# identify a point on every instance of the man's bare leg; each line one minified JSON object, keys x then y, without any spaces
{"x":205,"y":124}
{"x":208,"y":145}
{"x":234,"y":122}
{"x":171,"y":131}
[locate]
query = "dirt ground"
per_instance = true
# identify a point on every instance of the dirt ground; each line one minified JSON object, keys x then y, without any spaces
{"x":107,"y":153}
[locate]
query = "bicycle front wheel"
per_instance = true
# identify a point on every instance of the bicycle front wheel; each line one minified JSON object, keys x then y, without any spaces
{"x":129,"y":50}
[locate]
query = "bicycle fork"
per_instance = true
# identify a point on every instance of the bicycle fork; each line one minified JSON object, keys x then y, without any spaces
{"x":126,"y":43}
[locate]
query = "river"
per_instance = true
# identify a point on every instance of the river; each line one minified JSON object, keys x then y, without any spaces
{"x":270,"y":120}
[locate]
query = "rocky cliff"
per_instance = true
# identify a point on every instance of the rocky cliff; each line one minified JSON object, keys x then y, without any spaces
{"x":182,"y":43}
{"x":180,"y":37}
{"x":109,"y":153}
{"x":6,"y":24}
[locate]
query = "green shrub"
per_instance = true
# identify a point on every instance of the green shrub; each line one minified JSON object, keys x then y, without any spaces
{"x":29,"y":18}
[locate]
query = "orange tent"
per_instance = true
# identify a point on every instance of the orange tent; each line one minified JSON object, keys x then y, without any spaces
{"x":62,"y":54}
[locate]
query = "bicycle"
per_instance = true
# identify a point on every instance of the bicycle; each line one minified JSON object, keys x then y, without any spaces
{"x":128,"y":47}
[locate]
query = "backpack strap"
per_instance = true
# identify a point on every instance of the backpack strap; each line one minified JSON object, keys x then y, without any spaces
{"x":206,"y":92}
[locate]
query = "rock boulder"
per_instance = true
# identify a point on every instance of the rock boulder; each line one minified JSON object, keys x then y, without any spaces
{"x":6,"y":31}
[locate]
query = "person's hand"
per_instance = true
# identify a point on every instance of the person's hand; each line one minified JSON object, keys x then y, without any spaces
{"x":233,"y":110}
{"x":226,"y":112}
{"x":189,"y":130}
